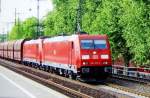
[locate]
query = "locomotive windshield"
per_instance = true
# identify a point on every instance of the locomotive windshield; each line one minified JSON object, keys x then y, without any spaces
{"x":93,"y":44}
{"x":87,"y":44}
{"x":100,"y":44}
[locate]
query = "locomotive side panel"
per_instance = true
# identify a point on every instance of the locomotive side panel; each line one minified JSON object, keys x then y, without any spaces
{"x":58,"y":55}
{"x":30,"y":52}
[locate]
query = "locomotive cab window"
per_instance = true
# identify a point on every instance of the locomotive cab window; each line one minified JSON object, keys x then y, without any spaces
{"x":93,"y":44}
{"x":87,"y":44}
{"x":100,"y":44}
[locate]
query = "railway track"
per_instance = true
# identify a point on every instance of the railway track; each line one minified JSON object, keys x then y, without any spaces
{"x":141,"y":87}
{"x":130,"y":90}
{"x":71,"y":88}
{"x":134,"y":79}
{"x":134,"y":85}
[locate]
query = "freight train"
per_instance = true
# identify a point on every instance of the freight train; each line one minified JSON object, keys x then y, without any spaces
{"x":134,"y":72}
{"x":131,"y":70}
{"x":83,"y":56}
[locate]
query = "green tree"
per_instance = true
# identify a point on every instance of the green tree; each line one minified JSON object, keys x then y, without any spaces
{"x":16,"y":31}
{"x":62,"y":19}
{"x":30,"y":28}
{"x":3,"y":37}
{"x":133,"y":24}
{"x":25,"y":29}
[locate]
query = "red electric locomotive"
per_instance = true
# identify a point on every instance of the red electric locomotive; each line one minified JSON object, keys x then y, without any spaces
{"x":85,"y":56}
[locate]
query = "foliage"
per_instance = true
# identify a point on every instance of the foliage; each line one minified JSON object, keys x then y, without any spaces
{"x":134,"y":24}
{"x":3,"y":37}
{"x":25,"y":29}
{"x":126,"y":22}
{"x":29,"y":27}
{"x":62,"y":19}
{"x":16,"y":32}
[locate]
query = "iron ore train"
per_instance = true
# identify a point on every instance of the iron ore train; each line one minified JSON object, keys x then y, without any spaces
{"x":81,"y":56}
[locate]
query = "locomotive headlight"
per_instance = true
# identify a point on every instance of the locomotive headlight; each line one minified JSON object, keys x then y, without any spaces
{"x":104,"y":56}
{"x":85,"y":63}
{"x":85,"y":56}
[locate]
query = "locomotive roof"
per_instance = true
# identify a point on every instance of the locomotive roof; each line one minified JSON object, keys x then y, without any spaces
{"x":64,"y":38}
{"x":67,"y":38}
{"x":60,"y":38}
{"x":33,"y":41}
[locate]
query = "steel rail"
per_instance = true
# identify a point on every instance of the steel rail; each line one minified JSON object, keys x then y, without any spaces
{"x":70,"y":88}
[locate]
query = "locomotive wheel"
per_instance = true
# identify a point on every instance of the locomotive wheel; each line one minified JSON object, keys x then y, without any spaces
{"x":66,"y":74}
{"x":47,"y":69}
{"x":72,"y":75}
{"x":44,"y":68}
{"x":51,"y":70}
{"x":40,"y":67}
{"x":32,"y":65}
{"x":36,"y":66}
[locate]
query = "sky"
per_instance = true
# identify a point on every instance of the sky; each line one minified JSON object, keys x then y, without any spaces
{"x":25,"y":8}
